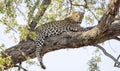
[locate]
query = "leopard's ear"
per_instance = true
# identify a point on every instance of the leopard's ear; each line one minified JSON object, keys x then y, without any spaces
{"x":76,"y":13}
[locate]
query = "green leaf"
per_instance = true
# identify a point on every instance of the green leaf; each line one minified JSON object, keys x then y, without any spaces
{"x":98,"y":59}
{"x":33,"y":35}
{"x":88,"y":18}
{"x":99,"y":11}
{"x":24,"y":32}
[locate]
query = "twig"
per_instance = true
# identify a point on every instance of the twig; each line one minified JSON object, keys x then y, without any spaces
{"x":21,"y":13}
{"x":6,"y":15}
{"x":3,"y":52}
{"x":9,"y":26}
{"x":19,"y":66}
{"x":78,"y":5}
{"x":117,"y":63}
{"x":32,"y":10}
{"x":70,"y":4}
{"x":86,"y":6}
{"x":105,"y":52}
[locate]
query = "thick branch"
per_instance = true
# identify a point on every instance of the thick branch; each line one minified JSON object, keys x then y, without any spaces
{"x":102,"y":32}
{"x":65,"y":40}
{"x":108,"y":17}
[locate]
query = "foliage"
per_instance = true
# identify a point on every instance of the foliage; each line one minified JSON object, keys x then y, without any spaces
{"x":24,"y":32}
{"x":93,"y":64}
{"x":58,"y":9}
{"x":3,"y":61}
{"x":94,"y":61}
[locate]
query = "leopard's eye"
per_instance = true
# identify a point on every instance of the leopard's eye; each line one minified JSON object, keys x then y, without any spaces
{"x":77,"y":16}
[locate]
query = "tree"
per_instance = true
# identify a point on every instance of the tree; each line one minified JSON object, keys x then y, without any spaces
{"x":105,"y":29}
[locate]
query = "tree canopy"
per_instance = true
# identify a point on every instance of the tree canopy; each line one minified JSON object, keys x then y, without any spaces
{"x":103,"y":14}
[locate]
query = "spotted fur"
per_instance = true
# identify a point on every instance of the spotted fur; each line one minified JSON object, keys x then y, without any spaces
{"x":71,"y":23}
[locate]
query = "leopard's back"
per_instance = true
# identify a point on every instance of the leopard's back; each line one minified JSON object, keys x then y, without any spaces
{"x":52,"y":28}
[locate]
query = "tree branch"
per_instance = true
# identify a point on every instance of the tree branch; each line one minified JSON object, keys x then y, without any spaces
{"x":86,"y":6}
{"x":40,"y":13}
{"x":105,"y":52}
{"x":68,"y":40}
{"x":109,"y":15}
{"x":105,"y":30}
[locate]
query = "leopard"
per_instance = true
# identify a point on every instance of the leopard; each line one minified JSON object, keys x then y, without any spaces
{"x":53,"y":28}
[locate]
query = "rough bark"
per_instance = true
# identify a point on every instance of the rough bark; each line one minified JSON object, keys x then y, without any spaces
{"x":105,"y":30}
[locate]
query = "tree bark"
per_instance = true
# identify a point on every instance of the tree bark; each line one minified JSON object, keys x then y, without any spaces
{"x":105,"y":30}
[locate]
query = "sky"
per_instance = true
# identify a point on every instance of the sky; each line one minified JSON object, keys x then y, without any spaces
{"x":65,"y":59}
